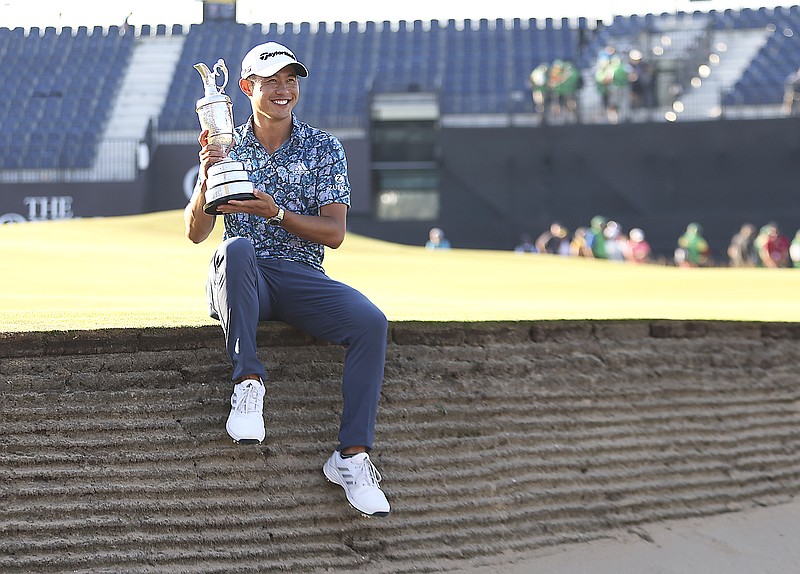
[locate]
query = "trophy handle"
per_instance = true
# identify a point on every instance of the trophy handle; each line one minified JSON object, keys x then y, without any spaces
{"x":220,"y":66}
{"x":210,"y":77}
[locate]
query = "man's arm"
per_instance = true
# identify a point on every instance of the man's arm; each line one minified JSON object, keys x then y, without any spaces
{"x":198,"y":225}
{"x":328,"y":228}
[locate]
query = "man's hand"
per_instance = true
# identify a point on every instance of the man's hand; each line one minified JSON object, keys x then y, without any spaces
{"x":263,"y":205}
{"x":209,"y":155}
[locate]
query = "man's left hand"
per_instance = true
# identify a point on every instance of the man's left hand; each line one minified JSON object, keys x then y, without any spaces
{"x":263,"y":205}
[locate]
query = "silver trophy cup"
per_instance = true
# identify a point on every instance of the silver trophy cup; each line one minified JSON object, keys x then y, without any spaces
{"x":227,"y":179}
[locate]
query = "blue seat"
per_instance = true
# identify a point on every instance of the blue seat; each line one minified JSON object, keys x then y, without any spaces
{"x":475,"y":64}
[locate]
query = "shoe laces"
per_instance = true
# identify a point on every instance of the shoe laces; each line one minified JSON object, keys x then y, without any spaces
{"x":365,"y":473}
{"x":248,"y":402}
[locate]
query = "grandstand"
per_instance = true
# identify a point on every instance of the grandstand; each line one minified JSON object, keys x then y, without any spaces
{"x":105,"y":100}
{"x":474,"y":67}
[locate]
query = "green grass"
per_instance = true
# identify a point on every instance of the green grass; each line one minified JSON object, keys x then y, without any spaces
{"x":140,"y":271}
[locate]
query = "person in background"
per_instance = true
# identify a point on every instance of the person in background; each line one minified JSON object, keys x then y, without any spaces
{"x":616,"y":242}
{"x":596,"y":239}
{"x":638,"y":249}
{"x":437,"y":240}
{"x":693,"y":249}
{"x":613,"y":81}
{"x":791,"y":94}
{"x":619,"y":89}
{"x":579,"y":246}
{"x":794,"y":250}
{"x":269,"y":266}
{"x":564,"y":82}
{"x":772,"y":247}
{"x":537,"y":81}
{"x":741,"y":252}
{"x":554,"y":241}
{"x":525,"y":244}
{"x":643,"y":82}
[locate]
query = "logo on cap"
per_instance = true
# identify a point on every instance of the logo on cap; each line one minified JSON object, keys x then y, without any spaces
{"x":268,"y":55}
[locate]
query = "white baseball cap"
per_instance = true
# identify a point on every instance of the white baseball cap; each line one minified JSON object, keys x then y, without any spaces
{"x":267,"y":59}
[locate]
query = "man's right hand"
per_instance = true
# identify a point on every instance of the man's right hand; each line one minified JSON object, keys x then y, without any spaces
{"x":209,"y":155}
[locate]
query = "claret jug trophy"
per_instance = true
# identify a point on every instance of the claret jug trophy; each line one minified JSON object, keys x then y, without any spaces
{"x":227,"y":179}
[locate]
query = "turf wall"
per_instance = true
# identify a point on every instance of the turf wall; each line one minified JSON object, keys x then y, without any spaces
{"x":493,"y":439}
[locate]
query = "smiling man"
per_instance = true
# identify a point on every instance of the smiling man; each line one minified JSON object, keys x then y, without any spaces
{"x":269,"y":265}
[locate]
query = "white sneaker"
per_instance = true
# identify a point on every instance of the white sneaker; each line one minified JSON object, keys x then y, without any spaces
{"x":246,"y":421}
{"x":359,"y":478}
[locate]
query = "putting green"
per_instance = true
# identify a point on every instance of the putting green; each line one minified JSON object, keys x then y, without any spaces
{"x":140,"y":271}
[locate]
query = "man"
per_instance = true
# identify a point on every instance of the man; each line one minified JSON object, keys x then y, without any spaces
{"x":741,"y":249}
{"x":269,"y":265}
{"x":791,"y":94}
{"x":537,"y":80}
{"x":794,"y":250}
{"x":596,"y":238}
{"x":554,"y":241}
{"x":772,"y":247}
{"x":693,"y":249}
{"x":437,"y":240}
{"x":564,"y":82}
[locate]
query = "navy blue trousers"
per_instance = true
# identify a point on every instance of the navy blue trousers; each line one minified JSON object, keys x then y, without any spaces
{"x":243,"y":290}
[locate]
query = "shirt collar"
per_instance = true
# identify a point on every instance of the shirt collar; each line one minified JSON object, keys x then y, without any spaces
{"x":296,"y":138}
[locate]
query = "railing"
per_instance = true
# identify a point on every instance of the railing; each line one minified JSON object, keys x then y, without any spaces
{"x":519,"y":111}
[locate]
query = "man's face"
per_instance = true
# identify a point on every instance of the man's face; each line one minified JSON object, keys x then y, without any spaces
{"x":274,"y":97}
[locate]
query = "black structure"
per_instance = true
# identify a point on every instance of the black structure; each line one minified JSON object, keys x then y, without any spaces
{"x":495,"y":183}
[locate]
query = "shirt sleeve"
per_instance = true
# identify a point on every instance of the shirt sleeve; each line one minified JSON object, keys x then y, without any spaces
{"x":333,"y":183}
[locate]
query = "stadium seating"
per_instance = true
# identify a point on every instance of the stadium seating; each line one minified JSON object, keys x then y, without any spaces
{"x":59,"y":88}
{"x":474,"y":66}
{"x":763,"y":81}
{"x":64,"y":81}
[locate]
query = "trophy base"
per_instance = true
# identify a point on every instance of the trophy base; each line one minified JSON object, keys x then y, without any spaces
{"x":227,"y":180}
{"x":211,"y":207}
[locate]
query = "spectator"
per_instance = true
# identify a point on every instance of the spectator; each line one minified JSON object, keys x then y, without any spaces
{"x":564,"y":82}
{"x":579,"y":246}
{"x":525,"y":244}
{"x":791,"y":94}
{"x":643,"y":82}
{"x":693,"y":249}
{"x":437,"y":240}
{"x":538,"y":84}
{"x":615,"y":242}
{"x":619,"y":90}
{"x":595,"y":238}
{"x":638,"y":249}
{"x":554,"y":241}
{"x":794,"y":250}
{"x":602,"y":77}
{"x":772,"y":248}
{"x":740,"y":251}
{"x":612,"y":78}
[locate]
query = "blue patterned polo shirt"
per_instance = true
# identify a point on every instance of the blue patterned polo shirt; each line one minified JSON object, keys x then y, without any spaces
{"x":308,"y":171}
